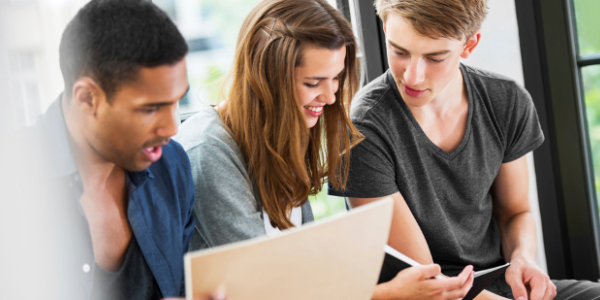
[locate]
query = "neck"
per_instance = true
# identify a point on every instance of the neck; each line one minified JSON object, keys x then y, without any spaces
{"x":447,"y":101}
{"x":93,"y":168}
{"x":451,"y":97}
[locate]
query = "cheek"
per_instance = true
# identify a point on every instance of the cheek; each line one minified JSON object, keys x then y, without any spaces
{"x":396,"y":64}
{"x":441,"y":73}
{"x":129,"y":131}
{"x":305,"y":96}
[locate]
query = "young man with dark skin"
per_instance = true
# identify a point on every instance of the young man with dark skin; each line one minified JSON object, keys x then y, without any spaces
{"x":447,"y":142}
{"x":130,"y":188}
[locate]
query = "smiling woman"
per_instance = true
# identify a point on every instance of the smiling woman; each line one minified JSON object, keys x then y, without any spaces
{"x":281,"y":133}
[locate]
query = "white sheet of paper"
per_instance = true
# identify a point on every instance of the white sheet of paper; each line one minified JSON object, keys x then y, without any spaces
{"x":337,"y":258}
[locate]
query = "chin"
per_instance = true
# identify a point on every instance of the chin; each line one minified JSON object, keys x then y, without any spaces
{"x":312,"y":124}
{"x":141,"y":166}
{"x":135,"y":165}
{"x":416,"y":102}
{"x":310,"y":121}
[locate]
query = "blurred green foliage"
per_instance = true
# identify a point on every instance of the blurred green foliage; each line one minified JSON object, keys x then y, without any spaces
{"x":213,"y":83}
{"x":588,"y":35}
{"x":591,"y":84}
{"x":324,"y":205}
{"x":230,"y":22}
{"x":588,"y":25}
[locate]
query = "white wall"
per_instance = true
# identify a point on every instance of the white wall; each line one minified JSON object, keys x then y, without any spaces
{"x":499,"y":51}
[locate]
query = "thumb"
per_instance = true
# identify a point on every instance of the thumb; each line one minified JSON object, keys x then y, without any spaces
{"x":514,"y":279}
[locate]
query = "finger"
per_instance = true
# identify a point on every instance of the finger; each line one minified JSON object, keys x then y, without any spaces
{"x":550,"y":291}
{"x":470,"y":280}
{"x":538,"y":287}
{"x":514,"y":278}
{"x":463,"y":290}
{"x":429,"y":271}
{"x":456,"y":283}
{"x":464,"y":275}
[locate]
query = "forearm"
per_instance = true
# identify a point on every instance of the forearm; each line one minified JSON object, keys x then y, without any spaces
{"x":409,"y":240}
{"x":405,"y":234}
{"x":519,"y":237}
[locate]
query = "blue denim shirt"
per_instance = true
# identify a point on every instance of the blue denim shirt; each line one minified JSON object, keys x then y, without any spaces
{"x":160,"y":205}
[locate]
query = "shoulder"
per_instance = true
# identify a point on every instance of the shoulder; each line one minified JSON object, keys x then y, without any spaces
{"x":209,"y":145}
{"x":205,"y":129}
{"x":502,"y":94}
{"x":374,"y":98}
{"x":492,"y":85}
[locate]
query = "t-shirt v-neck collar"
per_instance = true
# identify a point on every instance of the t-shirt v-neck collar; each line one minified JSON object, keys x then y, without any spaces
{"x":423,"y":138}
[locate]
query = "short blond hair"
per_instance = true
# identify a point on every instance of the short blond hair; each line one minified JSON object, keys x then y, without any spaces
{"x":456,"y":19}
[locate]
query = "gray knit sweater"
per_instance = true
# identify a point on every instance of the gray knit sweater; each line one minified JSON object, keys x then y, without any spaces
{"x":227,"y":207}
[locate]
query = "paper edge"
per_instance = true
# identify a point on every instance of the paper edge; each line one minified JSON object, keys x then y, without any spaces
{"x":256,"y":240}
{"x":487,"y":271}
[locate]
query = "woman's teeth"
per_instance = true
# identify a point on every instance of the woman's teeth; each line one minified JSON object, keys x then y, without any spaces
{"x":314,"y":108}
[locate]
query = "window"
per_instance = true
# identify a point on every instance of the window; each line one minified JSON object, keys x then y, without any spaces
{"x":25,"y":90}
{"x":560,"y":50}
{"x":31,"y":37}
{"x":211,"y":28}
{"x":588,"y":61}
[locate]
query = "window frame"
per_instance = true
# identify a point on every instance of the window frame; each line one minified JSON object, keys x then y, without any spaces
{"x":552,"y":71}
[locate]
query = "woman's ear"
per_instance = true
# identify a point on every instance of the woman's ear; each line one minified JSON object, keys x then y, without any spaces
{"x":87,"y":95}
{"x":471,"y":44}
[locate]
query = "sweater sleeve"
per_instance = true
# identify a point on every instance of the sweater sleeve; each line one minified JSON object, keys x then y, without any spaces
{"x":226,"y":208}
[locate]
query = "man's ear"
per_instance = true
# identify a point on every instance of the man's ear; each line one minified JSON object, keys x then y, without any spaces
{"x":87,"y":95}
{"x":471,"y":44}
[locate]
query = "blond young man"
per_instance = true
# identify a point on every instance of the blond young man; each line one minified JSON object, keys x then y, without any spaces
{"x":448,"y":143}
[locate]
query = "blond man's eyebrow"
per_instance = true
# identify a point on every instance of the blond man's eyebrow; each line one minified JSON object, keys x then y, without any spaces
{"x":426,"y":54}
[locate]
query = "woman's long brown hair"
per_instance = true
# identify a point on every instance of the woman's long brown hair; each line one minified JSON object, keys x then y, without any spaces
{"x":286,"y":160}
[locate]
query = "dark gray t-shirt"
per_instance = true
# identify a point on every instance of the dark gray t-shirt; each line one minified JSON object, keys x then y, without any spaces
{"x":448,"y":193}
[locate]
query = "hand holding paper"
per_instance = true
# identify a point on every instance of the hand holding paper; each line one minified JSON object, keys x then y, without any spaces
{"x":528,"y":281}
{"x":399,"y":268}
{"x":420,"y":282}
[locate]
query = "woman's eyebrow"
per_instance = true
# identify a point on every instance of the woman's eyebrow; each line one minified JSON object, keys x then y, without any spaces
{"x":323,"y":78}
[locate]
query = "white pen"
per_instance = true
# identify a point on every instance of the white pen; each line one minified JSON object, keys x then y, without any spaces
{"x":391,"y":251}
